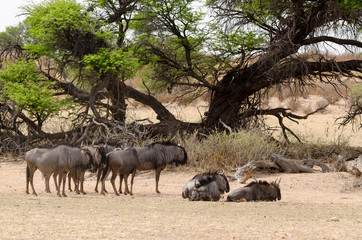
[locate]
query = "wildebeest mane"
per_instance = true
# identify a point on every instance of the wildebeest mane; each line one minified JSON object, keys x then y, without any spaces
{"x":260,"y":182}
{"x":166,"y":143}
{"x":103,"y":152}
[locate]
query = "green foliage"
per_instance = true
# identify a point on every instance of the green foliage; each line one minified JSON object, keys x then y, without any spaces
{"x":350,"y":5}
{"x":13,"y":36}
{"x":179,"y":22}
{"x":112,"y":61}
{"x":29,"y":90}
{"x":59,"y":27}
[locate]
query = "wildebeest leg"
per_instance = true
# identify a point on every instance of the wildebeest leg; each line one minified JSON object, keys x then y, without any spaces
{"x":64,"y":180}
{"x":70,"y":181}
{"x":98,"y":178}
{"x":47,"y":188}
{"x":60,"y":178}
{"x":30,"y":177}
{"x":113,"y":178}
{"x":120,"y":182}
{"x":27,"y":180}
{"x":125,"y":178}
{"x":55,"y":180}
{"x":157,"y":178}
{"x":103,"y":188}
{"x":76,"y":179}
{"x":132,"y":178}
{"x":82,"y":182}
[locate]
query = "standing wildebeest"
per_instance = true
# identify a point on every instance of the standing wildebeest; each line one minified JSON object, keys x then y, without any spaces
{"x":32,"y":156}
{"x":61,"y":160}
{"x":256,"y":191}
{"x":96,"y":153}
{"x":206,"y":187}
{"x":104,"y":150}
{"x":123,"y":162}
{"x":157,"y":155}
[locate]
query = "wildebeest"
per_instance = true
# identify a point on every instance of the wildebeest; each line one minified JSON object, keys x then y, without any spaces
{"x":96,"y":153}
{"x":256,"y":191}
{"x":120,"y":161}
{"x":157,"y":155}
{"x":61,"y":160}
{"x":32,"y":156}
{"x":208,"y":186}
{"x":103,"y":150}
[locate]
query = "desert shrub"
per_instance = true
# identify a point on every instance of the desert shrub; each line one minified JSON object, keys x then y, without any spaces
{"x":223,"y":150}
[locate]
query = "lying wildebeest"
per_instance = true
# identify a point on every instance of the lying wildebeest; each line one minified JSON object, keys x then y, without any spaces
{"x":120,"y":161}
{"x":256,"y":191}
{"x":156,"y":156}
{"x":61,"y":160}
{"x":207,"y":186}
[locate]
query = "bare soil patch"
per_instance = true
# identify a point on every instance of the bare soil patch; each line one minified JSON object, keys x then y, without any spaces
{"x":313,"y":206}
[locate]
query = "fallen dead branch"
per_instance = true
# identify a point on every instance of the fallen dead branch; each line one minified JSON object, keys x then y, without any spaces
{"x":279,"y":163}
{"x":312,"y":162}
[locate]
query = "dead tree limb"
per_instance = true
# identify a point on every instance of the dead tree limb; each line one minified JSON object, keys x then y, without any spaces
{"x":288,"y":166}
{"x":243,"y":173}
{"x":312,"y":162}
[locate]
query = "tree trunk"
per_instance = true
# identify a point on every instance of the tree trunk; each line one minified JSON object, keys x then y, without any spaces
{"x":116,"y":92}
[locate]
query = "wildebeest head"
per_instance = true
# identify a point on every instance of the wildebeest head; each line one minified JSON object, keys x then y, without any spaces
{"x":92,"y":164}
{"x":222,"y":182}
{"x":275,"y":185}
{"x":180,"y":156}
{"x":173,"y":153}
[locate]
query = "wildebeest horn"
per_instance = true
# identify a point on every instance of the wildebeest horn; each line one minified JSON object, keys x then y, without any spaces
{"x":279,"y":180}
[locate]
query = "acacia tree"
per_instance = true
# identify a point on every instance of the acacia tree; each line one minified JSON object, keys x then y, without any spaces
{"x":249,"y":47}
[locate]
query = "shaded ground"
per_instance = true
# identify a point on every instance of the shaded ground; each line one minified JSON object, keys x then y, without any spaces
{"x":313,"y":206}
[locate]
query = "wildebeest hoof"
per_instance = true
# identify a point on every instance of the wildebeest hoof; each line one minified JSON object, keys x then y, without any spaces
{"x":84,"y":193}
{"x":35,"y":194}
{"x":65,"y":195}
{"x":96,"y":190}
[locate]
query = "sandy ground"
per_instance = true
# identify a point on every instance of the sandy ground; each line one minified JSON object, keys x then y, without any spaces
{"x":313,"y":206}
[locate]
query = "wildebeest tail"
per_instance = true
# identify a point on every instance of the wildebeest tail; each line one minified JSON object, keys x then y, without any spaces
{"x":105,"y":170}
{"x":27,"y":173}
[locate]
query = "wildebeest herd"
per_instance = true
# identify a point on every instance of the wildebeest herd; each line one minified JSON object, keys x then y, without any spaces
{"x":74,"y":162}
